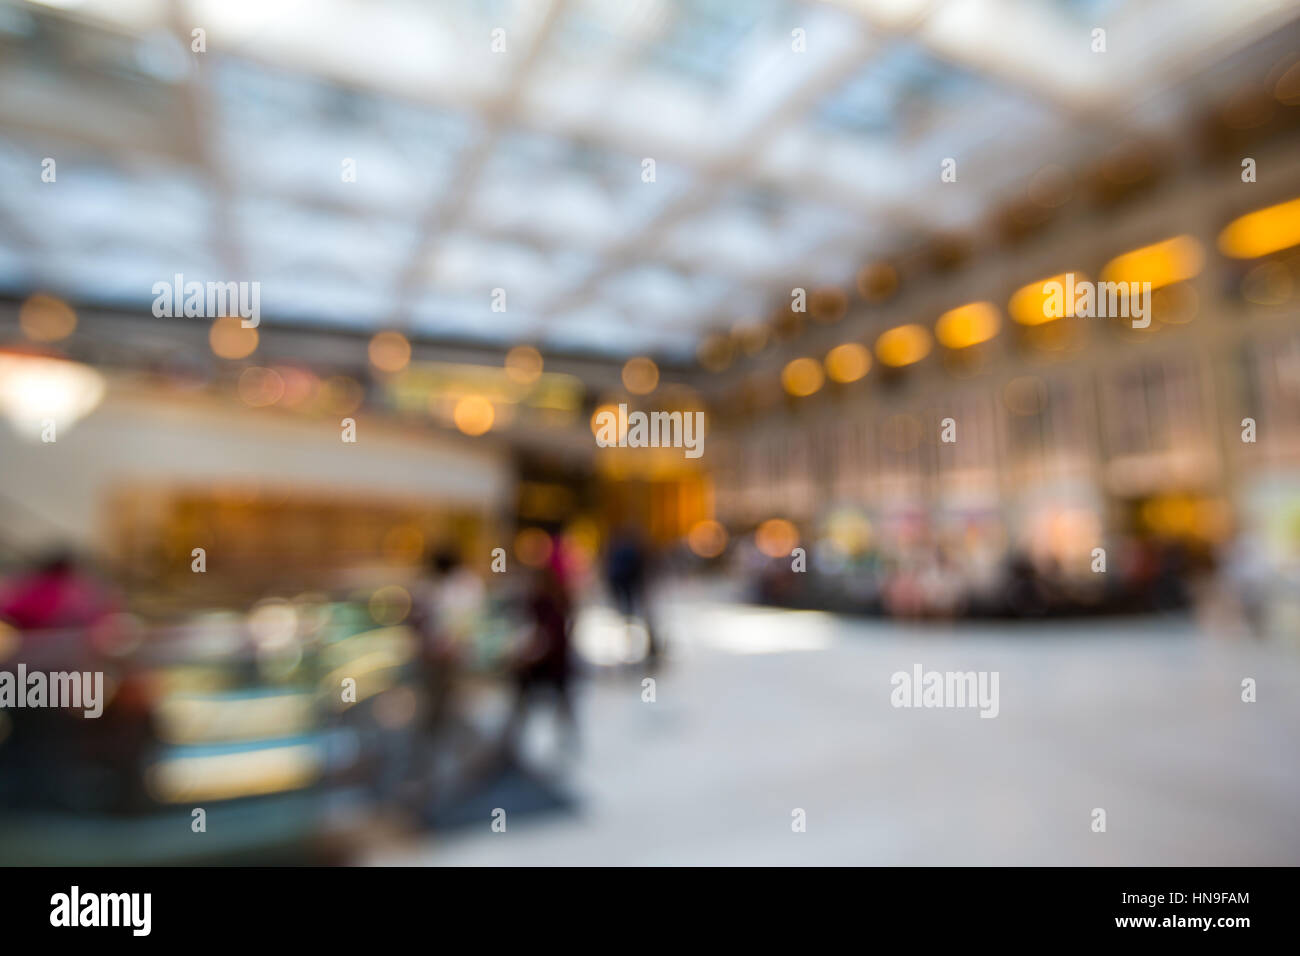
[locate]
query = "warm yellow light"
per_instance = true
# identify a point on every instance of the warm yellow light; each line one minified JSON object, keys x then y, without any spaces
{"x":708,"y":539}
{"x":903,"y":345}
{"x":848,"y":362}
{"x":230,"y":340}
{"x":46,"y":319}
{"x":533,"y":547}
{"x":640,"y":375}
{"x":776,"y":537}
{"x":968,"y":325}
{"x":582,"y":540}
{"x":1161,"y":263}
{"x":849,"y":531}
{"x":403,"y":544}
{"x":523,"y":364}
{"x":1263,"y":231}
{"x":802,"y":376}
{"x":390,"y":351}
{"x":1171,"y":515}
{"x":1028,"y":305}
{"x":9,"y":642}
{"x":474,"y":415}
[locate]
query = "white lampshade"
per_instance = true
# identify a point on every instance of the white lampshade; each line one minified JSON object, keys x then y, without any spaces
{"x":36,"y":389}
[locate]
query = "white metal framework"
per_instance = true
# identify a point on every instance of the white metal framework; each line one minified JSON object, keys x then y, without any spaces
{"x":502,"y":145}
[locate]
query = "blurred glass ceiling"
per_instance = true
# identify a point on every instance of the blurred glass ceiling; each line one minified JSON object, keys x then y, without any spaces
{"x":522,"y":170}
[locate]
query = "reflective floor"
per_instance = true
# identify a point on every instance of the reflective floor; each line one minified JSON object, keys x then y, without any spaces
{"x":759,"y":713}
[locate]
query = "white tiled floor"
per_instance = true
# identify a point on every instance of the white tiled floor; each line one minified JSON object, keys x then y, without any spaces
{"x":763,"y":711}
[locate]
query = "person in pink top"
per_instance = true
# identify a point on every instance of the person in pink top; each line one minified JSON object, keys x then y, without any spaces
{"x":57,"y":595}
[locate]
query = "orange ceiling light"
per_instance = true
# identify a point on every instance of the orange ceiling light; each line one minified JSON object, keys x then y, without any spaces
{"x":802,"y":377}
{"x":230,"y":340}
{"x":776,"y":537}
{"x":903,"y":345}
{"x":1262,"y":232}
{"x":848,"y":362}
{"x":968,"y":325}
{"x":523,"y":365}
{"x":1029,"y":303}
{"x":1161,"y":263}
{"x":389,"y":351}
{"x":474,"y":415}
{"x":640,"y":375}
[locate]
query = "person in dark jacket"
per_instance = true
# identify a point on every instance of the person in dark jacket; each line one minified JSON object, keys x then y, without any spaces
{"x":544,"y":663}
{"x":627,"y":569}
